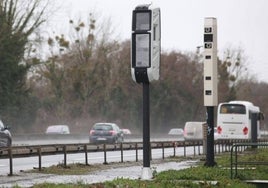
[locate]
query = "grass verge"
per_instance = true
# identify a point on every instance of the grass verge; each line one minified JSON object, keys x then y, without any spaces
{"x":194,"y":177}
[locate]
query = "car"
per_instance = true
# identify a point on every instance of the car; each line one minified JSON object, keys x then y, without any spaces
{"x":194,"y":130}
{"x":58,"y":129}
{"x":176,"y":131}
{"x":5,"y":136}
{"x":126,"y":131}
{"x":106,"y":133}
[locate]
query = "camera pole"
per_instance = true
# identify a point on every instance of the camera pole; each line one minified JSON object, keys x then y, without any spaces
{"x":146,"y":126}
{"x":145,"y":62}
{"x":210,"y":137}
{"x":210,"y":83}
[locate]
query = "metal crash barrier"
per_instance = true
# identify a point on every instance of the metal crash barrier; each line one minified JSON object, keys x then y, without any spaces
{"x":188,"y":148}
{"x":239,"y":149}
{"x":65,"y":149}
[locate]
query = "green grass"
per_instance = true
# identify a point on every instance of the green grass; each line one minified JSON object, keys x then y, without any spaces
{"x":190,"y":177}
{"x":72,"y":169}
{"x":253,"y":155}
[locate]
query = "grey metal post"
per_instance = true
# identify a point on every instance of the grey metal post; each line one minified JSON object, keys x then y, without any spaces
{"x":254,"y":134}
{"x":210,"y":137}
{"x":10,"y":161}
{"x":146,"y":125}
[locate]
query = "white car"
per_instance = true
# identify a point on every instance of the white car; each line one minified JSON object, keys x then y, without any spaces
{"x":5,"y":136}
{"x":176,"y":131}
{"x":195,"y":131}
{"x":58,"y":129}
{"x":126,"y":131}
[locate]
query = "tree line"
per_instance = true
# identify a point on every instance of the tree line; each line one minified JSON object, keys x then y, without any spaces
{"x":85,"y":78}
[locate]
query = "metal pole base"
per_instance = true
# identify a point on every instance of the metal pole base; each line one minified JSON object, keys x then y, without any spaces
{"x":146,"y":173}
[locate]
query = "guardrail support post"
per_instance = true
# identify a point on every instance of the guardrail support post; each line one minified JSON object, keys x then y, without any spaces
{"x":150,"y":151}
{"x":136,"y":147}
{"x":105,"y":154}
{"x":199,"y":143}
{"x":174,"y":149}
{"x":65,"y":156}
{"x":163,"y":151}
{"x":231,"y":168}
{"x":86,"y":154}
{"x":10,"y":161}
{"x":194,"y":149}
{"x":184,"y":146}
{"x":39,"y":159}
{"x":121,"y":148}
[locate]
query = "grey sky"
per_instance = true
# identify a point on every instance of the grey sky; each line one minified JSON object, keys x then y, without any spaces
{"x":241,"y":24}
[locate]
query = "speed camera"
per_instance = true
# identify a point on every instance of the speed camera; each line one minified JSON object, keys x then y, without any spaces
{"x":210,"y":62}
{"x":146,"y":46}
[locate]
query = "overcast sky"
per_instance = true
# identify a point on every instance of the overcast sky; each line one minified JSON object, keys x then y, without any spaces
{"x":241,"y":24}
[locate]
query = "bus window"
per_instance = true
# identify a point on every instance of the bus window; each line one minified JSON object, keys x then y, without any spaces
{"x":233,"y":109}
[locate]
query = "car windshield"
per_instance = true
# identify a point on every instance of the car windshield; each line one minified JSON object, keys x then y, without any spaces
{"x":103,"y":127}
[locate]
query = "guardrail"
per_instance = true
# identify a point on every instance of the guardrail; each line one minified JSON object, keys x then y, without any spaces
{"x":65,"y":149}
{"x":42,"y":150}
{"x":42,"y":139}
{"x":239,"y":147}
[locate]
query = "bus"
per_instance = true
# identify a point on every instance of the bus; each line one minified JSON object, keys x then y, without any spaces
{"x":234,"y":120}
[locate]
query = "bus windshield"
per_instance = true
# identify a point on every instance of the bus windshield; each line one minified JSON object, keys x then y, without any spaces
{"x":233,"y":109}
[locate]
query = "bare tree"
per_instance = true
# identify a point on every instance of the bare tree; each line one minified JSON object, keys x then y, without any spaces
{"x":18,"y":21}
{"x":232,"y":70}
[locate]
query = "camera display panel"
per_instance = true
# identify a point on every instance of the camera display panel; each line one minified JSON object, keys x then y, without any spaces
{"x":143,"y":21}
{"x":142,"y":42}
{"x":208,"y":37}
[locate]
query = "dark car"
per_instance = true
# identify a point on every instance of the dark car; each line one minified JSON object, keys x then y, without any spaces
{"x":106,"y":133}
{"x":5,"y":136}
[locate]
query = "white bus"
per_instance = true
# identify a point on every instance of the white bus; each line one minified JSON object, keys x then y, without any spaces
{"x":234,"y":120}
